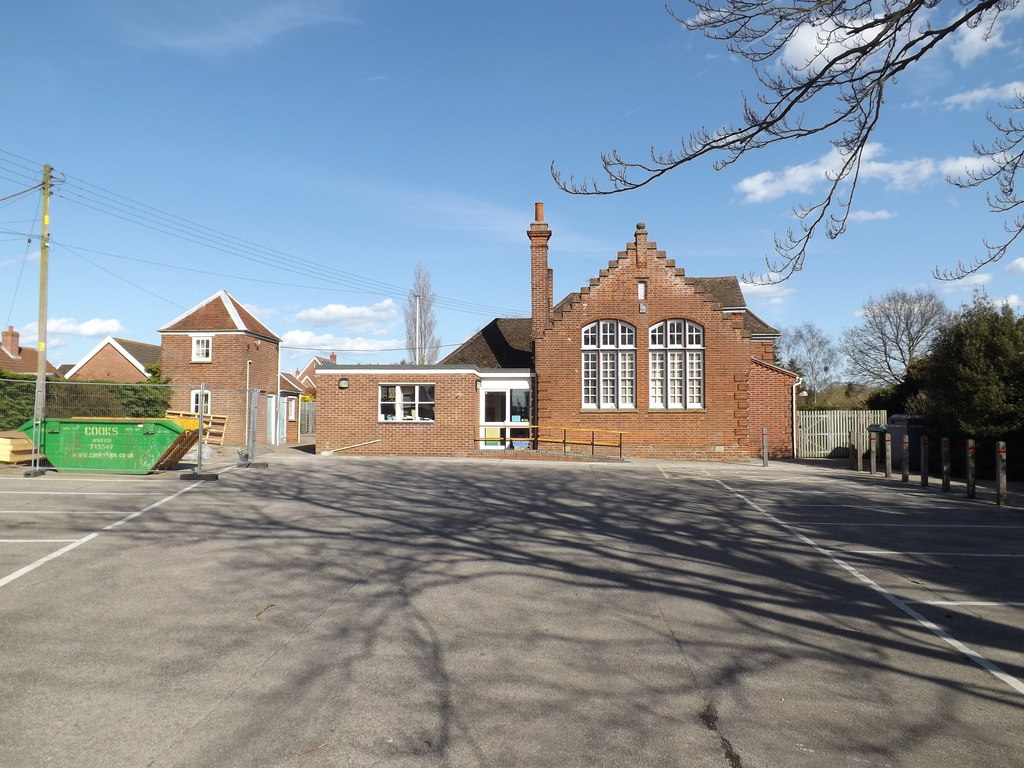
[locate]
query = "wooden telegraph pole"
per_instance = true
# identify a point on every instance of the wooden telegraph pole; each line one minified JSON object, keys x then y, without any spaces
{"x":39,"y":410}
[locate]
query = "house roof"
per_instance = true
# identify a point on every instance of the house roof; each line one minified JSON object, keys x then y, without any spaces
{"x":138,"y":353}
{"x":289,"y":383}
{"x":219,"y":313}
{"x":18,"y":359}
{"x":505,"y":342}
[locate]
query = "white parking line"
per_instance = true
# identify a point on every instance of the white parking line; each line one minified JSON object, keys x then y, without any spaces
{"x":78,"y":542}
{"x":960,"y":602}
{"x":36,"y":541}
{"x":924,"y":554}
{"x":914,"y":525}
{"x":61,"y":511}
{"x":989,"y":666}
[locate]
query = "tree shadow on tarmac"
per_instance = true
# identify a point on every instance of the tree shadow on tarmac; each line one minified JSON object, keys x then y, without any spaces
{"x":476,"y":613}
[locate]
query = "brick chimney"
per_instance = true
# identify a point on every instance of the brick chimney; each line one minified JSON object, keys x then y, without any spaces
{"x":640,"y":238}
{"x":334,"y":357}
{"x":542,"y":288}
{"x":11,"y":341}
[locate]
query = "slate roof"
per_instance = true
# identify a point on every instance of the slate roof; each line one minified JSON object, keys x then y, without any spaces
{"x":505,"y":342}
{"x":221,"y":312}
{"x":147,"y":354}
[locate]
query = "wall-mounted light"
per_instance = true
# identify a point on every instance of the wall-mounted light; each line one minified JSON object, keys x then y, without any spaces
{"x":342,"y":383}
{"x":478,"y":385}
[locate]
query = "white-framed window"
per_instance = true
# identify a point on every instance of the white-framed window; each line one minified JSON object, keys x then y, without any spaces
{"x":202,"y":349}
{"x":609,"y":365}
{"x":676,"y":365}
{"x":406,"y":402}
{"x":293,"y":408}
{"x":206,"y":401}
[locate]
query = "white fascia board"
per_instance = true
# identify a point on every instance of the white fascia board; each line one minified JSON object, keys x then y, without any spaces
{"x":95,"y":351}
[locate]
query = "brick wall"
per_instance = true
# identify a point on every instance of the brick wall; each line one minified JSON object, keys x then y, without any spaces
{"x":719,"y":431}
{"x":224,"y":376}
{"x":349,"y":416}
{"x":771,"y":406}
{"x":109,"y":365}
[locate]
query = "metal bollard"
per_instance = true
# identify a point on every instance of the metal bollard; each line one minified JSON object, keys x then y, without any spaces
{"x":945,"y":465}
{"x":924,"y":459}
{"x":888,"y":455}
{"x":971,"y":470}
{"x":872,"y":452}
{"x":1001,"y":474}
{"x":906,"y":458}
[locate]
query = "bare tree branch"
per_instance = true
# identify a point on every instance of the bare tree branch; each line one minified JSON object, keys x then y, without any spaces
{"x":862,"y":46}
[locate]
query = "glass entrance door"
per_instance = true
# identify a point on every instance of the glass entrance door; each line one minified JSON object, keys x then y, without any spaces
{"x":505,"y":417}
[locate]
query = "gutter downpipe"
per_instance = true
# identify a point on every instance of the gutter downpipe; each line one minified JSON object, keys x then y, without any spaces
{"x":796,"y":430}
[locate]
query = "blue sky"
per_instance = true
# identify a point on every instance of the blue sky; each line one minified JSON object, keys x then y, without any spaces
{"x":305,"y":155}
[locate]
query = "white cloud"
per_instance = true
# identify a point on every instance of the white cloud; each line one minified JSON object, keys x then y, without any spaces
{"x":358,"y":319}
{"x":197,"y":26}
{"x":1016,"y":267}
{"x":811,"y":46}
{"x":767,"y":293}
{"x":303,"y":344}
{"x":1012,"y":301}
{"x":903,"y":175}
{"x":882,"y":215}
{"x":969,"y":43}
{"x":58,"y":329}
{"x":969,"y":99}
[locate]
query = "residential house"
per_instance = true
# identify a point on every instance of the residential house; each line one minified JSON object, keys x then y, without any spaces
{"x":221,"y":347}
{"x":673,"y":366}
{"x":15,"y":358}
{"x":307,"y":376}
{"x":119,"y":360}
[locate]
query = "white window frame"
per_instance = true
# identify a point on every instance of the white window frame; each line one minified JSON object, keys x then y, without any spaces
{"x":194,"y":400}
{"x":676,"y":370}
{"x":202,"y":349}
{"x":421,"y":402}
{"x":608,"y":365}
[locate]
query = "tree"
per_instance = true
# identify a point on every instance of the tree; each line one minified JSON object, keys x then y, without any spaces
{"x":859,"y":48}
{"x":896,"y":330}
{"x":973,"y":380}
{"x":808,"y":351}
{"x":420,"y":324}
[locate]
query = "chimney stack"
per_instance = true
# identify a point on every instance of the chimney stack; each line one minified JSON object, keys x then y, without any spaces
{"x":11,"y":341}
{"x":541,"y":278}
{"x":334,"y":357}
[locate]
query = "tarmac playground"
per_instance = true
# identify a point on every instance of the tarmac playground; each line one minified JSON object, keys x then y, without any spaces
{"x":343,"y":611}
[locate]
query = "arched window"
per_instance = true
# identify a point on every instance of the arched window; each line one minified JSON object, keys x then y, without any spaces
{"x":677,"y":365}
{"x":609,"y":365}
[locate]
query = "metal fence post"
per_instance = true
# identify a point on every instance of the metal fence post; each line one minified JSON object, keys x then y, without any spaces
{"x":872,"y":452}
{"x":971,"y":470}
{"x":924,"y":459}
{"x":888,"y":455}
{"x":764,"y":446}
{"x":945,"y":465}
{"x":1001,"y":473}
{"x":905,"y":469}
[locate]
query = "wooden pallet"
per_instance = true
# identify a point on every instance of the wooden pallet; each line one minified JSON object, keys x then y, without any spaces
{"x":213,"y":426}
{"x":16,"y":448}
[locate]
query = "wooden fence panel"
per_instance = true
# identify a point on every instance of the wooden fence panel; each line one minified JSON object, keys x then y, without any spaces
{"x":826,"y":434}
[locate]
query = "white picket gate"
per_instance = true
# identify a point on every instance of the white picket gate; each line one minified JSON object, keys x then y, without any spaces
{"x":826,"y":434}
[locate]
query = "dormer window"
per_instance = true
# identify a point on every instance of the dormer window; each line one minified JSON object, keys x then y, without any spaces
{"x":202,"y":349}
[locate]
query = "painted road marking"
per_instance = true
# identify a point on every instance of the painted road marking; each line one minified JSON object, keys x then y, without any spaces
{"x":61,"y":511}
{"x":79,"y":542}
{"x":914,"y":525}
{"x":989,"y":666}
{"x":35,"y":541}
{"x":924,"y":554}
{"x":960,"y":602}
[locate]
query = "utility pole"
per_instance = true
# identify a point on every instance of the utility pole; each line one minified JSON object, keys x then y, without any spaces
{"x":419,"y":350}
{"x":39,"y":412}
